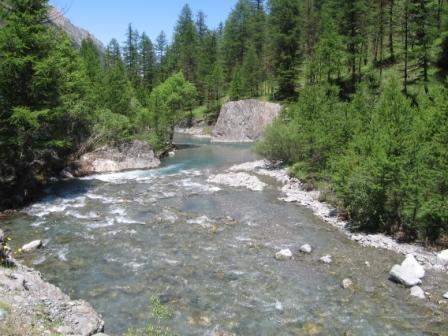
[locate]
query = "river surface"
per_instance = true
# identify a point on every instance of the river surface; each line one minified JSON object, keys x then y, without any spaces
{"x":207,"y":252}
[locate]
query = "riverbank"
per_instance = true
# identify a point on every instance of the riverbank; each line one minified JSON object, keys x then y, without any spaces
{"x":31,"y":306}
{"x":294,"y":192}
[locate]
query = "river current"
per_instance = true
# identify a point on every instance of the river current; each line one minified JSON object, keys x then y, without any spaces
{"x":207,"y":252}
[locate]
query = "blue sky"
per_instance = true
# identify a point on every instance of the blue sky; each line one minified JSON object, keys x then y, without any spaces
{"x":107,"y":19}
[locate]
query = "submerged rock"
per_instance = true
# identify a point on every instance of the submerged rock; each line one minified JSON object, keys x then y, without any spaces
{"x":347,"y":283}
{"x":442,"y":258}
{"x":284,"y":254}
{"x":238,"y":180}
{"x":244,"y":120}
{"x":130,"y":155}
{"x":408,"y":273}
{"x":418,"y":292}
{"x":306,"y":248}
{"x":327,"y":259}
{"x":34,"y":245}
{"x":278,"y":306}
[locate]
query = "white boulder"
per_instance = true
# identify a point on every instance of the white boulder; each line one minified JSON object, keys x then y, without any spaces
{"x":306,"y":248}
{"x":411,"y":264}
{"x":402,"y":275}
{"x":283,"y":254}
{"x":445,"y":296}
{"x":418,"y":292}
{"x":34,"y":245}
{"x":408,"y":273}
{"x":327,"y":259}
{"x":442,"y":258}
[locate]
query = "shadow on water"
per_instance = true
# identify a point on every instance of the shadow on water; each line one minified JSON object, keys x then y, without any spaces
{"x":67,"y":189}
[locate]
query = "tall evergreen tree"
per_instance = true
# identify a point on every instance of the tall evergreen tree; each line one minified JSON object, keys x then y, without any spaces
{"x":285,"y":36}
{"x":185,"y":44}
{"x":147,"y":62}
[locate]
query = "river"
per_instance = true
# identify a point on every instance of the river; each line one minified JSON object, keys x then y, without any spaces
{"x":207,"y":252}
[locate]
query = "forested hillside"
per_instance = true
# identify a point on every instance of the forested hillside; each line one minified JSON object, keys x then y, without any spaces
{"x":364,"y":82}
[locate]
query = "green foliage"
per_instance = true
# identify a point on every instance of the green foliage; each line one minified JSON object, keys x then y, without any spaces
{"x":169,"y":103}
{"x":159,"y":313}
{"x":386,"y":159}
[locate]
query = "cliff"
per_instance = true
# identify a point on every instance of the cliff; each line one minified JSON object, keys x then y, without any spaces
{"x":244,"y":120}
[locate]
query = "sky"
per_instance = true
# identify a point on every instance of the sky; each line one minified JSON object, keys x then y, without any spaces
{"x":107,"y":19}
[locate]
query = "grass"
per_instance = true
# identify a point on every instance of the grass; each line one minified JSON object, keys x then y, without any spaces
{"x":159,"y":312}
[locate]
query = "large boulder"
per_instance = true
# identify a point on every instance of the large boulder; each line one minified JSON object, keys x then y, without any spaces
{"x":244,"y":120}
{"x":409,"y":273}
{"x":129,"y":155}
{"x":442,"y":258}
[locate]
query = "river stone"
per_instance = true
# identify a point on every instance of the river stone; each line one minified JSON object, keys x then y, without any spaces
{"x":412,"y":265}
{"x":34,"y":245}
{"x":403,"y":275}
{"x":244,"y":120}
{"x":130,"y":155}
{"x":418,"y":292}
{"x":2,"y":236}
{"x":347,"y":283}
{"x":327,"y":259}
{"x":445,"y":296}
{"x":306,"y":248}
{"x":283,"y":254}
{"x":442,"y":258}
{"x":66,"y":173}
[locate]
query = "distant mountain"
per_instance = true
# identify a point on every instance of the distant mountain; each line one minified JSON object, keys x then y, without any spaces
{"x":75,"y":33}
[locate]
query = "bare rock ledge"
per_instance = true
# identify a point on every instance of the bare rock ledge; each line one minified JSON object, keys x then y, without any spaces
{"x":131,"y":155}
{"x":244,"y":120}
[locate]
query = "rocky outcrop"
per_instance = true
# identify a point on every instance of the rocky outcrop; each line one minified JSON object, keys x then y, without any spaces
{"x":36,"y":307}
{"x":77,"y":34}
{"x":130,"y":155}
{"x":244,"y":120}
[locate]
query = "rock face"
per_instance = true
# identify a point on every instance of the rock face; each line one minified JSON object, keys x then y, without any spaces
{"x":408,"y":273}
{"x":33,"y":302}
{"x":244,"y":120}
{"x":77,"y":34}
{"x":108,"y":159}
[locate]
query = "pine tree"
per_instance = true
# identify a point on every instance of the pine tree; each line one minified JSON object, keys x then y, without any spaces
{"x":113,"y":53}
{"x":185,"y":44}
{"x":147,"y":63}
{"x":285,"y":36}
{"x":131,"y":55}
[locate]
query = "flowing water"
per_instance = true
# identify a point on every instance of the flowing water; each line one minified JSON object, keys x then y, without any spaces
{"x":207,"y":252}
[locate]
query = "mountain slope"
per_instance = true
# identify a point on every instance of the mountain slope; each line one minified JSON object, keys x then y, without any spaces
{"x":77,"y":34}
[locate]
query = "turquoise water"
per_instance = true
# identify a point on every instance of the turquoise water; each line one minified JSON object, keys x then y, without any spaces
{"x":207,"y":252}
